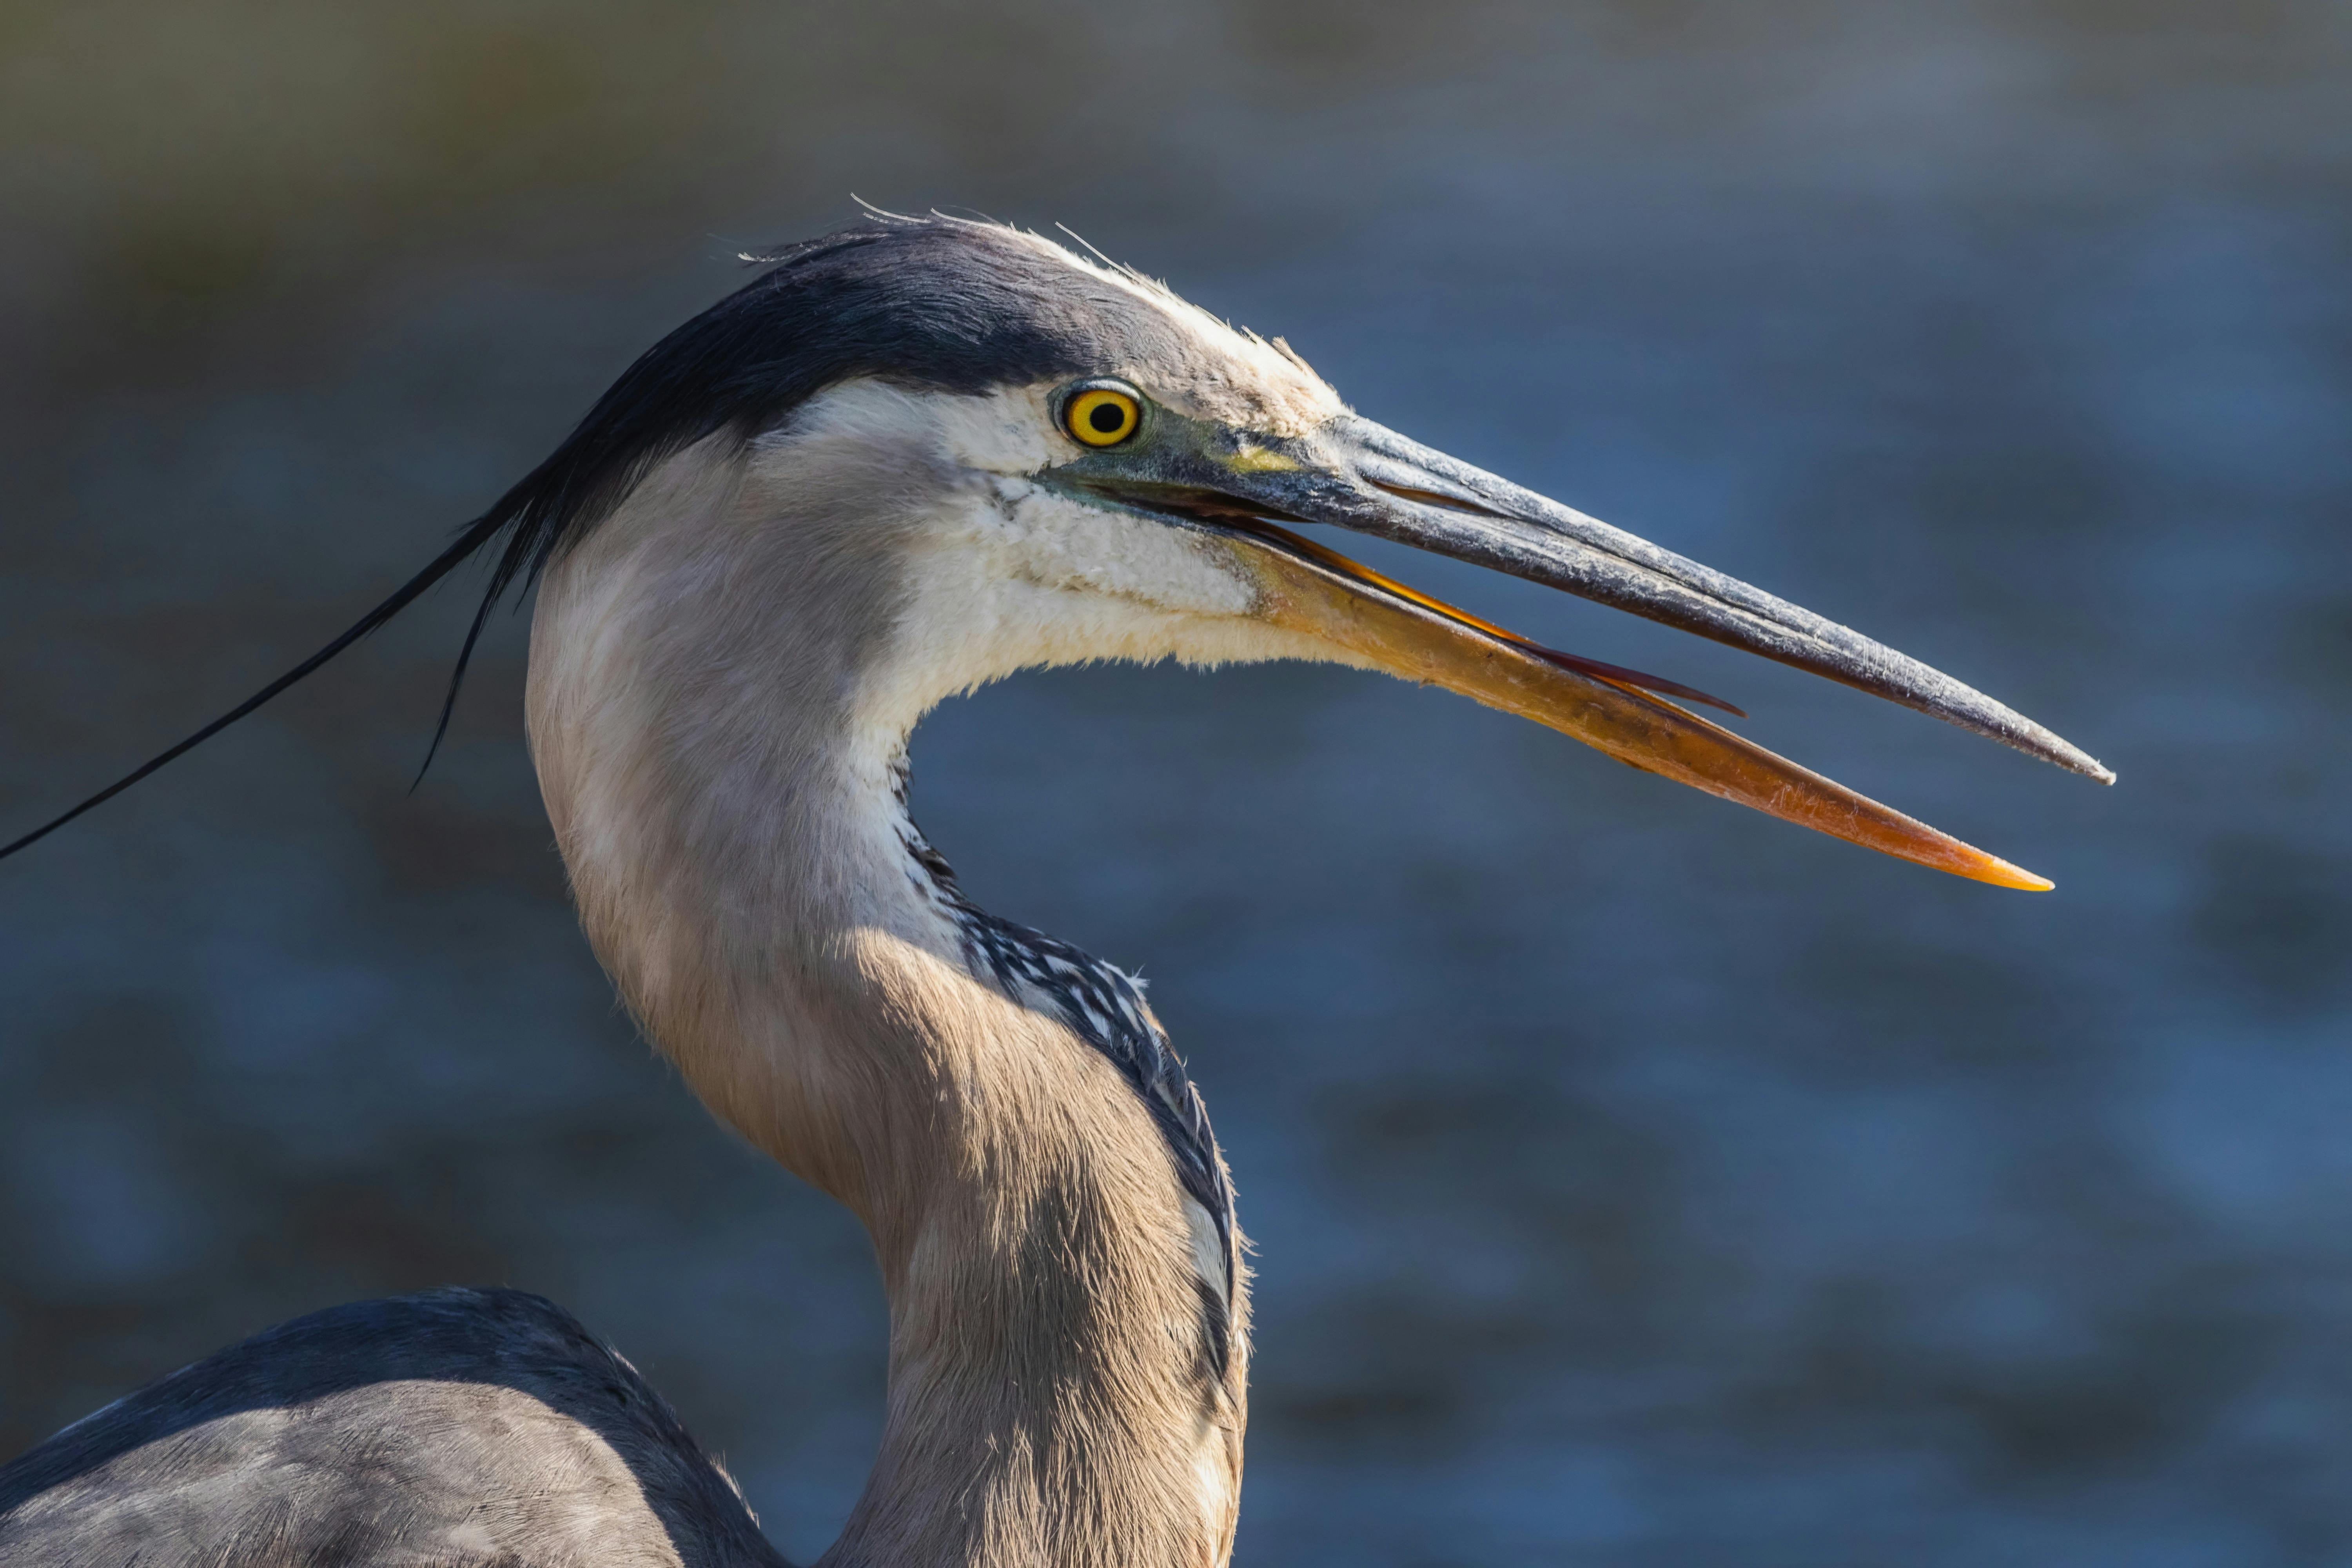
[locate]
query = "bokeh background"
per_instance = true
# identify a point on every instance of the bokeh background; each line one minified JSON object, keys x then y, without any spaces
{"x":1637,"y":1180}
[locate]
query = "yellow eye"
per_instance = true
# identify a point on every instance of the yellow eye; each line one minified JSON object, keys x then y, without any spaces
{"x":1102,"y":416}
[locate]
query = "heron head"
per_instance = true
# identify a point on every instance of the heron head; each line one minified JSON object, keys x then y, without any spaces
{"x":1079,"y":465}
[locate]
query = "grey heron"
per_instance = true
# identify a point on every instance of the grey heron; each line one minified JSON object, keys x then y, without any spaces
{"x":909,"y":457}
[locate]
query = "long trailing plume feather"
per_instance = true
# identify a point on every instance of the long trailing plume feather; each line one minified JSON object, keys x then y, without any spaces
{"x":595,"y":462}
{"x":477,"y":534}
{"x":603,"y":456}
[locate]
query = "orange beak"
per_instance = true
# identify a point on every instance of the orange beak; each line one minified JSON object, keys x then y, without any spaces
{"x":1378,"y":621}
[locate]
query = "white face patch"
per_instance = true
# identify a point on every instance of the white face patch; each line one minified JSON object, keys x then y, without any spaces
{"x":999,"y":572}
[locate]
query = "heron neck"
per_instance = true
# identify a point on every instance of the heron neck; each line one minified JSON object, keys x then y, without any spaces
{"x":740,"y":850}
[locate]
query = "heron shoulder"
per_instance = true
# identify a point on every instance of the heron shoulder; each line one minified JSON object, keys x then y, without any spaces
{"x":453,"y":1426}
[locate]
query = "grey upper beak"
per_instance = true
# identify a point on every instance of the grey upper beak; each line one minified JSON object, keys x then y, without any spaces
{"x":1431,"y":501}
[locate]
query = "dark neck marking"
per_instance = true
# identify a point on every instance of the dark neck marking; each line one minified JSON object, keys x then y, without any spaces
{"x":1104,"y":1008}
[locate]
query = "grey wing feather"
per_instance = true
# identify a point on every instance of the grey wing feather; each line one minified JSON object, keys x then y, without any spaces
{"x":455,"y":1427}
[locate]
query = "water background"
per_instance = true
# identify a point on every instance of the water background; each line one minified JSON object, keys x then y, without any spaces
{"x":1636,"y":1180}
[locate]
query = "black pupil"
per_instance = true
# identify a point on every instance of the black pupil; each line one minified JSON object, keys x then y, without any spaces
{"x":1105,"y":417}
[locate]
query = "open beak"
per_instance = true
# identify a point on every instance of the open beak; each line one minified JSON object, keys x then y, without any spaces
{"x":1355,"y":474}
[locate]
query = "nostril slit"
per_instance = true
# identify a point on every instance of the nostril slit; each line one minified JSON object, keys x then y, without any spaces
{"x":1433,"y":498}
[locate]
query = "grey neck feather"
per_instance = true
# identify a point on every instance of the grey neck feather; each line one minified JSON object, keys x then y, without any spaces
{"x":1068,"y":1362}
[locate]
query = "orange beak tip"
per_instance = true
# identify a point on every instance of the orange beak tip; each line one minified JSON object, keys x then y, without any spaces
{"x":2001,"y":874}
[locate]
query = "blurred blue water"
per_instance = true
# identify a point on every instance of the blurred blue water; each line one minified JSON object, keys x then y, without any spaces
{"x":1635,"y":1180}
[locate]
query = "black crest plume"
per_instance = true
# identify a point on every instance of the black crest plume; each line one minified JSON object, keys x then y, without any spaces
{"x":936,"y":302}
